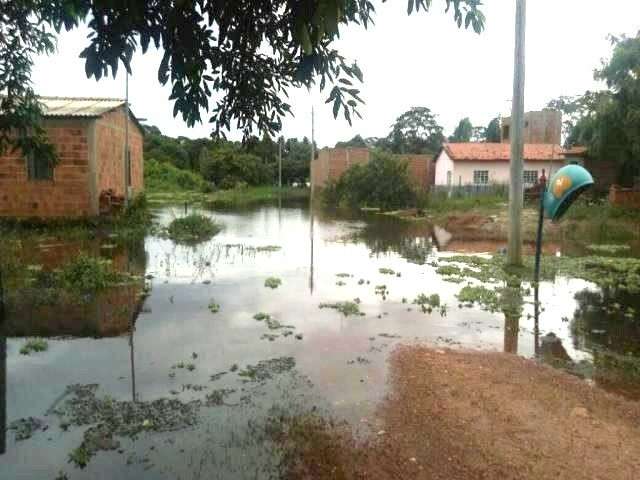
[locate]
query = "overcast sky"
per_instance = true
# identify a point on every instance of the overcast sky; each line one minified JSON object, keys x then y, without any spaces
{"x":421,"y":60}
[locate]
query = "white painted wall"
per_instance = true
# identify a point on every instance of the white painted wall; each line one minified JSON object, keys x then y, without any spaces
{"x":462,"y":172}
{"x":444,"y":164}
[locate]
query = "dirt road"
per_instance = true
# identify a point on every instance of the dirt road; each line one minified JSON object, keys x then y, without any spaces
{"x":476,"y":415}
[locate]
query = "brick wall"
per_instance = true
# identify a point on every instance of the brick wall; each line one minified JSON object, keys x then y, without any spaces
{"x":624,"y":197}
{"x":67,"y":195}
{"x":110,"y":138}
{"x":333,"y":162}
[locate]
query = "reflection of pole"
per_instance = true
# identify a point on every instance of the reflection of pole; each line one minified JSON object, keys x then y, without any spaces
{"x":536,"y":272}
{"x":514,"y":252}
{"x":3,"y":373}
{"x":133,"y":365}
{"x":311,"y":211}
{"x":512,"y":300}
{"x":536,"y":320}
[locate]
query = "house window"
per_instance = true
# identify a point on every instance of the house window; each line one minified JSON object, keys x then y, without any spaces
{"x":530,"y":177}
{"x":480,"y":177}
{"x":39,"y":168}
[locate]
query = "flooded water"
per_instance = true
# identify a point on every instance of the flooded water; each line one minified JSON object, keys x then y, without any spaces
{"x":182,"y":383}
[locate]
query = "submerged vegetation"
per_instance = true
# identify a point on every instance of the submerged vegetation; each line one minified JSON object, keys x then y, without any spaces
{"x":345,"y":308}
{"x":34,"y":345}
{"x":193,"y":228}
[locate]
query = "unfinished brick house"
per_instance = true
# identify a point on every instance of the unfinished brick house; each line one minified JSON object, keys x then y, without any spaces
{"x":93,"y":165}
{"x":333,"y":162}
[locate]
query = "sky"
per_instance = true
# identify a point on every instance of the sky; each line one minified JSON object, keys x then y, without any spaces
{"x":419,"y":60}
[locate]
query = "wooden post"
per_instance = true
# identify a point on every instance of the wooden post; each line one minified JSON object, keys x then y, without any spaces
{"x":514,"y":250}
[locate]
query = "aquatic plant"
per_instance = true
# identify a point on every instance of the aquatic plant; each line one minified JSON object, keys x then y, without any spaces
{"x":272,"y":282}
{"x":193,"y":228}
{"x":260,"y":316}
{"x":266,"y":369}
{"x":343,"y":275}
{"x":34,"y":345}
{"x":427,"y":304}
{"x":386,"y":271}
{"x":346,"y":308}
{"x":268,"y":248}
{"x":340,"y":283}
{"x":488,"y":299}
{"x":214,"y":307}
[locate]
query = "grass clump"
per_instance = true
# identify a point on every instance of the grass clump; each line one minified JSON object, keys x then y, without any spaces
{"x":194,"y":228}
{"x":272,"y":282}
{"x":428,"y":303}
{"x":346,"y":308}
{"x":165,"y":177}
{"x":386,"y":271}
{"x":260,"y":316}
{"x":33,"y":346}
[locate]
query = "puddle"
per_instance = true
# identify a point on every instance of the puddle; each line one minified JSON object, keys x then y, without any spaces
{"x":215,"y":352}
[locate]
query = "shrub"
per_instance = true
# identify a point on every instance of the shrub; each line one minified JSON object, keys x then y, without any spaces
{"x":194,"y":228}
{"x":383,"y":183}
{"x":34,"y":345}
{"x":163,"y":176}
{"x":229,"y":167}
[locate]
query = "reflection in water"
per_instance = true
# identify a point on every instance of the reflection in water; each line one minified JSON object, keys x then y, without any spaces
{"x":3,"y":373}
{"x":132,"y":329}
{"x":511,"y":299}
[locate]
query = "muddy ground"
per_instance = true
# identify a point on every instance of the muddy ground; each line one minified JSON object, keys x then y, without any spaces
{"x":472,"y":415}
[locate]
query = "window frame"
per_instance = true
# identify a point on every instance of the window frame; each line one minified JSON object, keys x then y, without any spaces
{"x":535,"y":176}
{"x":39,"y":170}
{"x":480,"y":173}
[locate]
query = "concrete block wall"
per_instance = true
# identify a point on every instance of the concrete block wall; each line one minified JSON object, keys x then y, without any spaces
{"x":540,"y":127}
{"x":332,"y":163}
{"x":67,"y":194}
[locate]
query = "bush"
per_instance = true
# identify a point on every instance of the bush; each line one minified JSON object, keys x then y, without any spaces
{"x":382,"y":183}
{"x":194,"y":228}
{"x":162,"y":176}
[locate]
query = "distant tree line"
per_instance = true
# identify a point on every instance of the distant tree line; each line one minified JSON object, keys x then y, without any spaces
{"x":417,"y":131}
{"x":227,"y":164}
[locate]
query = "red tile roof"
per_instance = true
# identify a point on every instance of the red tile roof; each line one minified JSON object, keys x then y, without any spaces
{"x":502,"y":152}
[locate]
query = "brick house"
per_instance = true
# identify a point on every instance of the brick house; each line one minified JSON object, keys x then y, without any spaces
{"x":89,"y":138}
{"x":333,"y":162}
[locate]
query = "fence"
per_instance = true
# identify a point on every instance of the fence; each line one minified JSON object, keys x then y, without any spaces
{"x":471,"y":190}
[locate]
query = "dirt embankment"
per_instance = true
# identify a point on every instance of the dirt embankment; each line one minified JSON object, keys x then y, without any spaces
{"x":475,"y":415}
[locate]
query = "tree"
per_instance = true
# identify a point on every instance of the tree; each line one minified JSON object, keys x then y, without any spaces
{"x":492,"y":133}
{"x":415,"y":131}
{"x":246,"y":54}
{"x":608,"y":122}
{"x":479,"y":134}
{"x":463,"y":132}
{"x":296,"y":157}
{"x":356,"y":142}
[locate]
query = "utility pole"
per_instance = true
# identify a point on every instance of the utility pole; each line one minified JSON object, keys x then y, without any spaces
{"x":127,"y":160}
{"x":516,"y":192}
{"x":280,"y":163}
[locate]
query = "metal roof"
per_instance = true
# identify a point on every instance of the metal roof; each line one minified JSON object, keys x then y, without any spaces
{"x":78,"y":106}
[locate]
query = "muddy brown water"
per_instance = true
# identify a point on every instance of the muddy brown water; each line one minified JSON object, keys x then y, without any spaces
{"x":173,"y":347}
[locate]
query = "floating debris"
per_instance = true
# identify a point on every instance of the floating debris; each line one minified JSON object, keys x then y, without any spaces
{"x":340,"y":283}
{"x":217,"y":376}
{"x":344,"y":275}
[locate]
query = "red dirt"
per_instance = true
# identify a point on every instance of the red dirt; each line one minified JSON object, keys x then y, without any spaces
{"x":472,"y":415}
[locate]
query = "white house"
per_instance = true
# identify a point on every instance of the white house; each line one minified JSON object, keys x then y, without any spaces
{"x":488,"y":163}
